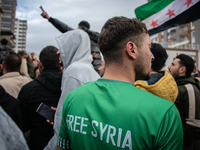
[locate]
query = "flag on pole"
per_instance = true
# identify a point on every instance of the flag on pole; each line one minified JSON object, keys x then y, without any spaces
{"x":160,"y":15}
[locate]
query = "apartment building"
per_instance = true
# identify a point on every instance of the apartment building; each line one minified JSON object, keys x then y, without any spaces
{"x":20,"y":35}
{"x":1,"y":11}
{"x":178,"y":37}
{"x":181,"y":39}
{"x":8,"y":20}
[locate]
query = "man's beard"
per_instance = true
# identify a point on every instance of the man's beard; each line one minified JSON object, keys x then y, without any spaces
{"x":140,"y":75}
{"x":139,"y":71}
{"x":175,"y":74}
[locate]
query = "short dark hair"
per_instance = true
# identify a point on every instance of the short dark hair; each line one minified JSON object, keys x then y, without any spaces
{"x":160,"y":57}
{"x":49,"y":58}
{"x":114,"y":35}
{"x":4,"y":41}
{"x":12,"y":62}
{"x":21,"y":53}
{"x":84,"y":24}
{"x":188,"y":62}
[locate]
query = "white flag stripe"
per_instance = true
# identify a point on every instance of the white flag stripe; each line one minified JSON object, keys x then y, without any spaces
{"x":177,"y":5}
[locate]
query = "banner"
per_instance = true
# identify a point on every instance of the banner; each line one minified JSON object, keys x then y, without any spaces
{"x":160,"y":15}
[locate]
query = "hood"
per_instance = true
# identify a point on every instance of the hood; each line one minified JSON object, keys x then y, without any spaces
{"x":155,"y":77}
{"x":74,"y":46}
{"x":166,"y":87}
{"x":51,"y":80}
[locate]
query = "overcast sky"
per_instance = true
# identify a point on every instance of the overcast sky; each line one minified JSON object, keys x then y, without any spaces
{"x":41,"y":33}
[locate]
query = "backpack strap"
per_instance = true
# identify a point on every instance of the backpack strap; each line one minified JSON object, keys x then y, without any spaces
{"x":192,"y":107}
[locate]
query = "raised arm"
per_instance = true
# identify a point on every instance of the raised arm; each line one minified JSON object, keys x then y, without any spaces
{"x":62,"y":27}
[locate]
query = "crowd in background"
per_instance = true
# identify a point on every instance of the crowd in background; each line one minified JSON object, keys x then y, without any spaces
{"x":123,"y":99}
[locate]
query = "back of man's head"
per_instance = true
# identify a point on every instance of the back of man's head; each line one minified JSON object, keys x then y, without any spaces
{"x":21,"y":53}
{"x":4,"y":41}
{"x":12,"y":62}
{"x":49,"y":58}
{"x":160,"y":57}
{"x":84,"y":24}
{"x":114,"y":35}
{"x":188,"y":62}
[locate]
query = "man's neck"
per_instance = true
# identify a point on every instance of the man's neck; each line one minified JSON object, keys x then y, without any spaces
{"x":122,"y":73}
{"x":181,"y":78}
{"x":4,"y":71}
{"x":152,"y":72}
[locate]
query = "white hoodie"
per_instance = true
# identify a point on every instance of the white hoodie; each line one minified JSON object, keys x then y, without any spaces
{"x":76,"y":55}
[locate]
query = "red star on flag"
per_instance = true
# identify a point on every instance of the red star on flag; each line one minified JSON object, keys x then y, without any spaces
{"x":154,"y":23}
{"x":171,"y":13}
{"x":188,"y":3}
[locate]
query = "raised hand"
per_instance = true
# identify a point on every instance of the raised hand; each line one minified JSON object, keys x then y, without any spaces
{"x":44,"y":13}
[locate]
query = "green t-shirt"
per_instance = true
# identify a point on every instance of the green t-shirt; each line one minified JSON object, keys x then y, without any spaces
{"x":110,"y":114}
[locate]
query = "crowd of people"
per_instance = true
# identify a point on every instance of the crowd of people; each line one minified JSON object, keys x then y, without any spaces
{"x":123,"y":100}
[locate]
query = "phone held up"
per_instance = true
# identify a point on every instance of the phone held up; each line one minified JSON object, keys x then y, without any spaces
{"x":46,"y":112}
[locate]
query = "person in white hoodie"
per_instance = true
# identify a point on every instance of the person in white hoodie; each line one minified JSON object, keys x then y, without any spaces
{"x":75,"y":50}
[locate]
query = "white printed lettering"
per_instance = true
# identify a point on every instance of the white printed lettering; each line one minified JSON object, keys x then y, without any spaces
{"x":69,"y":121}
{"x":111,"y":134}
{"x":127,"y":138}
{"x":94,"y":133}
{"x":83,"y":125}
{"x":76,"y":123}
{"x":119,"y":137}
{"x":102,"y":130}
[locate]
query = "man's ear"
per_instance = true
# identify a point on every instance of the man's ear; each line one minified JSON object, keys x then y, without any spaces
{"x":182,"y":70}
{"x":131,"y":49}
{"x":1,"y":67}
{"x":19,"y":68}
{"x":41,"y":67}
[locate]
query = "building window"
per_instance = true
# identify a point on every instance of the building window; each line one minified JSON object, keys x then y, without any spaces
{"x":193,"y":34}
{"x":6,"y":25}
{"x":22,"y":32}
{"x":173,"y":32}
{"x":6,"y":16}
{"x":7,"y":2}
{"x":6,"y":19}
{"x":21,"y":35}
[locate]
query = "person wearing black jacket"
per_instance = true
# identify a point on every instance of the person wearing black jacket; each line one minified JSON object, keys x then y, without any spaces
{"x":11,"y":106}
{"x":188,"y":100}
{"x":47,"y":89}
{"x":84,"y":25}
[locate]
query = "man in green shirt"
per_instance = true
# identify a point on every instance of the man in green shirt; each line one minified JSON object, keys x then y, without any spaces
{"x":111,"y":113}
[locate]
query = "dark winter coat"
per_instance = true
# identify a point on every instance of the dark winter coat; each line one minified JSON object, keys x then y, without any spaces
{"x":11,"y":106}
{"x":182,"y":101}
{"x":47,"y":89}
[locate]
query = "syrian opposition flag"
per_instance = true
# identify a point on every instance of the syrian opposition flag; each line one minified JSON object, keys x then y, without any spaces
{"x":160,"y":15}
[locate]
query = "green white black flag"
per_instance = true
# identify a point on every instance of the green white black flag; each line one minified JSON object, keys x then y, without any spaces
{"x":159,"y":15}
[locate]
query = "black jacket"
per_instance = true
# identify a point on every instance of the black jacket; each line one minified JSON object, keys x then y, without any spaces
{"x":47,"y":89}
{"x":62,"y":27}
{"x":11,"y":107}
